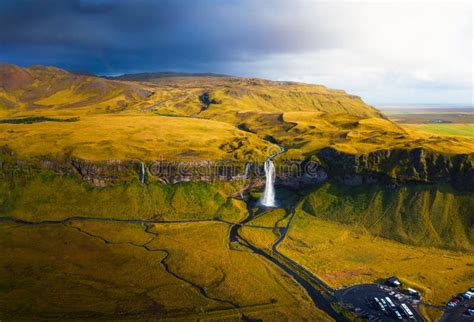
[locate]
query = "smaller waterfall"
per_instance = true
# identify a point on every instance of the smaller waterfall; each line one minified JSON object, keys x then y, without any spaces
{"x":247,"y":170}
{"x":142,"y":173}
{"x":269,"y":193}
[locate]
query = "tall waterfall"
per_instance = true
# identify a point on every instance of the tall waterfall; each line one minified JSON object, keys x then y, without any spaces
{"x":142,"y":173}
{"x":268,"y":199}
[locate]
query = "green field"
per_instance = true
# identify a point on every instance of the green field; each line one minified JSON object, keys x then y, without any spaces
{"x":103,"y":271}
{"x":344,"y":255}
{"x":439,"y":121}
{"x":446,"y":129}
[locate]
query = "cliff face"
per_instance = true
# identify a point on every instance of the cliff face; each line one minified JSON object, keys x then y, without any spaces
{"x":399,"y":166}
{"x":387,"y":167}
{"x":292,"y":174}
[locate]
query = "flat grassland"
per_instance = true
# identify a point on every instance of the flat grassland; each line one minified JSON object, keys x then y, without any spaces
{"x":131,"y":271}
{"x":440,"y":121}
{"x":144,"y":136}
{"x":125,"y":137}
{"x":445,"y":129}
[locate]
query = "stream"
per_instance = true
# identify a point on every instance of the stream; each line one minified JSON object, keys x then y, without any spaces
{"x":301,"y":275}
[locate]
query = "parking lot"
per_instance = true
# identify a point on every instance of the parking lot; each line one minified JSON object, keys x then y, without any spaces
{"x":458,"y":313}
{"x":361,"y":300}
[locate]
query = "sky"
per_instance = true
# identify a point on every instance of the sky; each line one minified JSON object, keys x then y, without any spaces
{"x":389,"y":53}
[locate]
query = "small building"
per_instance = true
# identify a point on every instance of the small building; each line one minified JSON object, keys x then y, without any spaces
{"x":394,"y":281}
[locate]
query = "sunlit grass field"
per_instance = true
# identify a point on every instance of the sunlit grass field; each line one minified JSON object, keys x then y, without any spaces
{"x":168,"y":118}
{"x":144,"y":136}
{"x":343,"y":255}
{"x":125,"y":137}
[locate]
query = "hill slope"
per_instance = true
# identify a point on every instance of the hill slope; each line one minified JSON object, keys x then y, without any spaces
{"x":38,"y":90}
{"x":303,"y":118}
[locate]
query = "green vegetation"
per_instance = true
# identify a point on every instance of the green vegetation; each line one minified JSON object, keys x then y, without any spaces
{"x":71,"y":146}
{"x":446,"y":129}
{"x":55,"y":197}
{"x":439,"y":121}
{"x":132,"y":137}
{"x":115,"y":271}
{"x":37,"y":119}
{"x":420,"y":215}
{"x":343,"y":255}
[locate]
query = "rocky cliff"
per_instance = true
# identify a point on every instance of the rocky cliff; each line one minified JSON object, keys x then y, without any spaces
{"x":386,"y":166}
{"x":399,"y":166}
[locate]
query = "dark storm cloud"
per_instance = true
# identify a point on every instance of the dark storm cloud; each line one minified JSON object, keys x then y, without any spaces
{"x":110,"y":36}
{"x":385,"y":52}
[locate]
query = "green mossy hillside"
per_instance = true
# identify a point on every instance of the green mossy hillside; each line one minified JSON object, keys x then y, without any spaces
{"x":422,"y":215}
{"x":48,"y":196}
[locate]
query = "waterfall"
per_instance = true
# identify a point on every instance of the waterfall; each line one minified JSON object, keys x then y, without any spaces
{"x":247,"y":170}
{"x":142,"y":173}
{"x":269,"y":193}
{"x":268,"y":199}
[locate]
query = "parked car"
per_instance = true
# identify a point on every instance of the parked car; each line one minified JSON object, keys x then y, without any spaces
{"x":466,"y":296}
{"x":397,"y":315}
{"x":469,"y":312}
{"x":393,"y":281}
{"x":407,"y":310}
{"x":453,"y":302}
{"x":414,"y":293}
{"x":469,"y":294}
